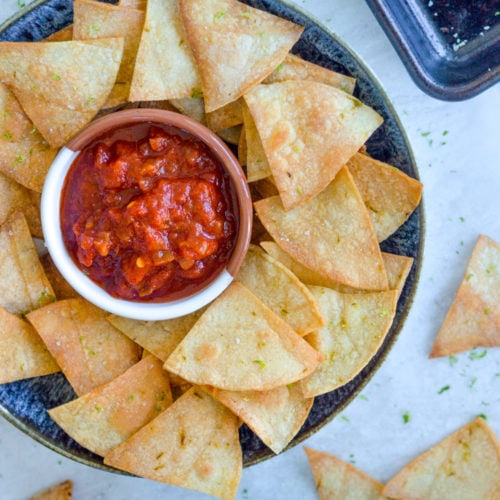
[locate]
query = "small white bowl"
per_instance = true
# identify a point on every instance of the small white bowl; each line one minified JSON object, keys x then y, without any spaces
{"x":51,"y":222}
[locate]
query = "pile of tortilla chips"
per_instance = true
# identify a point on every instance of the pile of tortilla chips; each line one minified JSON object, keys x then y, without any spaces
{"x":315,"y":296}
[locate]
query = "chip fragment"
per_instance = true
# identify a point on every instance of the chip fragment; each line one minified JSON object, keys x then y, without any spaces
{"x":60,"y":491}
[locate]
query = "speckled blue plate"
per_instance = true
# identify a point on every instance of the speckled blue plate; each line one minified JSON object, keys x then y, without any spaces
{"x":25,"y":403}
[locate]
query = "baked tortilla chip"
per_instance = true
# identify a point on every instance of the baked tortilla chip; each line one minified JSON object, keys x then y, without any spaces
{"x":357,"y":324}
{"x":240,"y":345}
{"x":164,"y":67}
{"x":57,"y":84}
{"x":280,"y":290}
{"x":474,"y":316}
{"x":225,"y":117}
{"x":331,"y":234}
{"x":309,"y":130}
{"x":339,"y":480}
{"x":134,"y":4}
{"x":22,"y":352}
{"x":24,"y":155}
{"x":235,"y":46}
{"x":193,"y":444}
{"x":62,"y":289}
{"x":60,"y":491}
{"x":231,"y":135}
{"x":158,"y":337}
{"x":389,"y":194}
{"x":23,"y":286}
{"x":464,"y":465}
{"x":296,"y":68}
{"x":101,"y":20}
{"x":275,"y":416}
{"x":89,"y":350}
{"x":108,"y":415}
{"x":190,"y":106}
{"x":63,"y":35}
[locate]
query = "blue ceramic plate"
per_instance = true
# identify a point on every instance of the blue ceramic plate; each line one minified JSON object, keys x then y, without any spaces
{"x":25,"y":403}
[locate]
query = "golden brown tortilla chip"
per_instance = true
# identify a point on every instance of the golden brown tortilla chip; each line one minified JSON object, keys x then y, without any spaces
{"x":398,"y":268}
{"x":231,"y":135}
{"x":57,"y":84}
{"x":474,"y":316}
{"x":339,"y":480}
{"x":296,"y":68}
{"x":239,"y":344}
{"x":22,"y":352}
{"x":309,"y":130}
{"x":24,"y":155}
{"x":235,"y":46}
{"x":89,"y":350}
{"x":23,"y":286}
{"x":60,"y":491}
{"x":193,"y":444}
{"x":190,"y":106}
{"x":225,"y":117}
{"x":108,"y":415}
{"x":331,"y":234}
{"x":134,"y":4}
{"x":389,"y":194}
{"x":164,"y":67}
{"x":356,"y":327}
{"x":275,"y":415}
{"x":280,"y":290}
{"x":158,"y":337}
{"x":62,"y":289}
{"x":63,"y":35}
{"x":464,"y":465}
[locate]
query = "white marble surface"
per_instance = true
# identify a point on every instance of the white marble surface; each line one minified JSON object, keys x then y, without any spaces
{"x":461,"y":174}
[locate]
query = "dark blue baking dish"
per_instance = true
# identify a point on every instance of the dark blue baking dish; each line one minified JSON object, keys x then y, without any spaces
{"x":451,"y":48}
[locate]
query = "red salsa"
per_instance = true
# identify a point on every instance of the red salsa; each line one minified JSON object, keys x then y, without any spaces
{"x":149,"y":213}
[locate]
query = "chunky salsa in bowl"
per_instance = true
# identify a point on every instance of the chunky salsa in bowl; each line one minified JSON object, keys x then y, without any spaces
{"x":147,"y":214}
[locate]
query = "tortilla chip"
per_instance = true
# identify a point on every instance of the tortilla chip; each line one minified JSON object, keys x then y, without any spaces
{"x":107,"y":416}
{"x":165,"y":67}
{"x":63,"y":35}
{"x":192,"y":107}
{"x":464,"y":465}
{"x":22,"y":352}
{"x":339,"y":480}
{"x":275,"y":416}
{"x":398,"y":268}
{"x":134,"y":4}
{"x":240,"y":345}
{"x":100,"y":20}
{"x":24,"y":286}
{"x":57,"y":84}
{"x":331,"y":234}
{"x":13,"y":198}
{"x":296,"y":68}
{"x":231,"y":135}
{"x":474,"y":316}
{"x":242,"y":147}
{"x":24,"y":154}
{"x":309,"y":130}
{"x":193,"y":444}
{"x":389,"y":194}
{"x":225,"y":117}
{"x":89,"y":350}
{"x":158,"y":337}
{"x":356,"y":327}
{"x":280,"y":290}
{"x":60,"y":491}
{"x":235,"y":46}
{"x":62,"y":289}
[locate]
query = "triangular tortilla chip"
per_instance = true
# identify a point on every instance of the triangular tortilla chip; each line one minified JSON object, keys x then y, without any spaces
{"x":23,"y":286}
{"x":474,"y":316}
{"x":24,"y":155}
{"x":159,"y":337}
{"x":356,"y":327}
{"x":296,"y":68}
{"x":193,"y":444}
{"x":63,"y":35}
{"x":62,"y":289}
{"x":235,"y":46}
{"x":164,"y":67}
{"x":101,"y":20}
{"x":22,"y":352}
{"x":225,"y":117}
{"x":134,"y":4}
{"x":190,"y":106}
{"x":308,"y":130}
{"x":105,"y":417}
{"x":57,"y":84}
{"x":389,"y":194}
{"x":331,"y":234}
{"x":464,"y":465}
{"x":339,"y":480}
{"x":275,"y":416}
{"x":60,"y":491}
{"x":89,"y":350}
{"x":280,"y":290}
{"x":240,"y":344}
